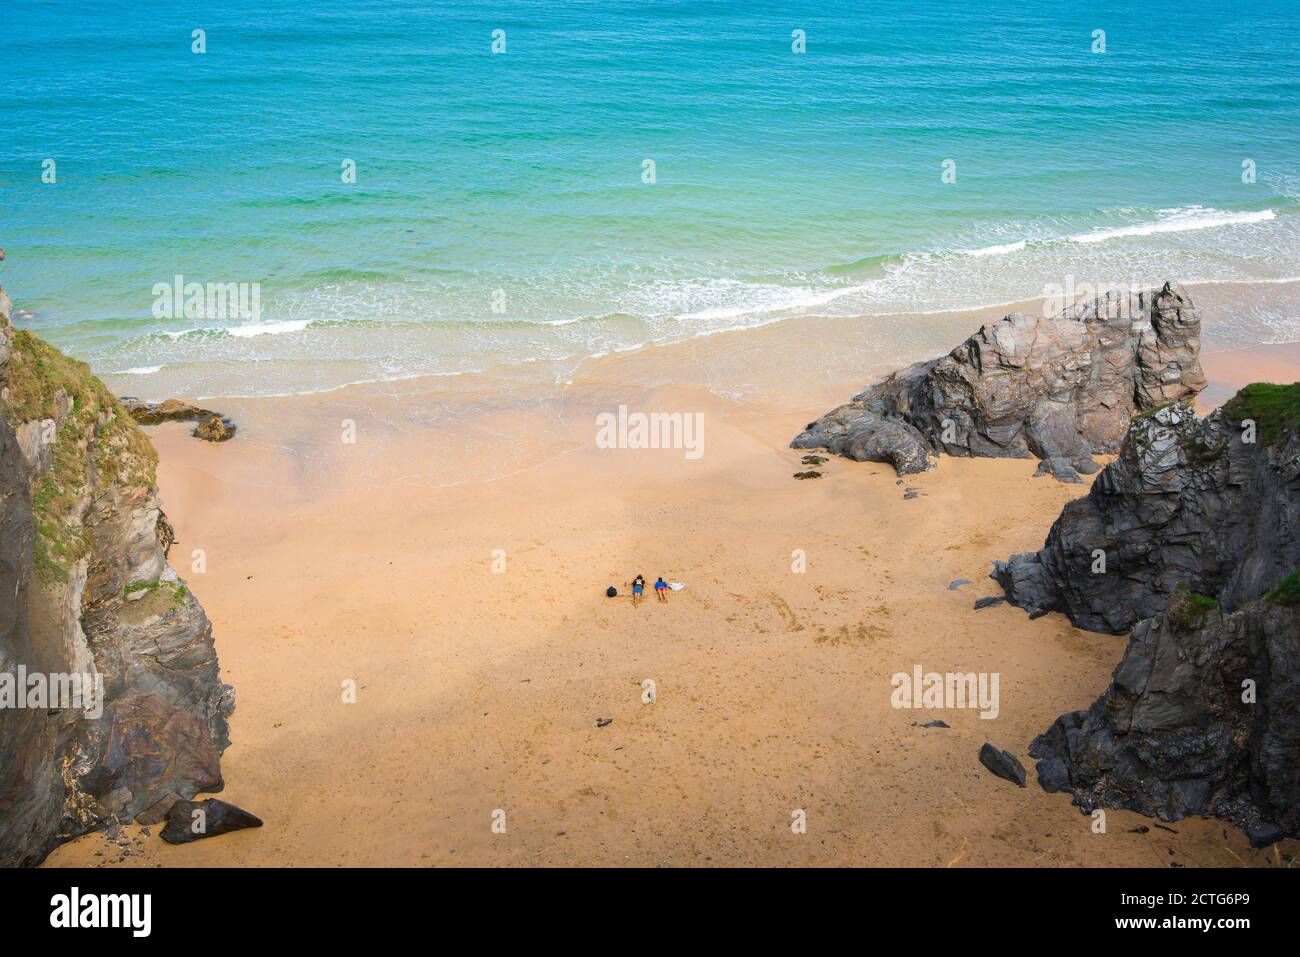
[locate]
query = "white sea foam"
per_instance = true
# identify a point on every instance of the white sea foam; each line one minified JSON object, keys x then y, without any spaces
{"x":786,"y":300}
{"x":1176,"y":221}
{"x":268,"y":328}
{"x":998,"y":250}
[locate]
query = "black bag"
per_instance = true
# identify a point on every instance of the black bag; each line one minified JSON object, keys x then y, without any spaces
{"x":611,"y":592}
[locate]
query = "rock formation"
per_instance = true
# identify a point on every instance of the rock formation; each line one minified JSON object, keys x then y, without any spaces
{"x":86,"y":590}
{"x":1202,"y":717}
{"x":212,"y":427}
{"x":1187,"y":501}
{"x":1060,"y":388}
{"x":1191,"y":537}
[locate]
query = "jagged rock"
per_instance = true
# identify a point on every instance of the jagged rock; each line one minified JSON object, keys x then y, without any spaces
{"x":1172,"y":735}
{"x":69,"y":557}
{"x":157,"y":813}
{"x":1060,"y":389}
{"x":1003,"y":763}
{"x":212,"y":427}
{"x":1187,"y":501}
{"x":216,"y":817}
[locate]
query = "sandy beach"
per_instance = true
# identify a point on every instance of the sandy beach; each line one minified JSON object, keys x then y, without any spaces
{"x":452,"y":561}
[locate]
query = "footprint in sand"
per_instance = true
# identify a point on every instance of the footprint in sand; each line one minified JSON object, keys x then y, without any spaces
{"x":784,"y":610}
{"x":860,"y":634}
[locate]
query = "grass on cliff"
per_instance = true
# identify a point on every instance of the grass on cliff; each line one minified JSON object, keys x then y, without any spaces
{"x":1187,"y":608}
{"x":1275,"y":408}
{"x":96,"y":446}
{"x":1287,"y":591}
{"x":177,"y":589}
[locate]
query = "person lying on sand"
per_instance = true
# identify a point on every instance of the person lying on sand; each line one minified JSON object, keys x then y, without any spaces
{"x":661,"y":589}
{"x":638,"y":589}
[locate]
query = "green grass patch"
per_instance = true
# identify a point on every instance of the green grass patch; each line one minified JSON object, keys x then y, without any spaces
{"x":96,"y":446}
{"x":1187,"y":608}
{"x":1274,"y":408}
{"x":1287,"y":591}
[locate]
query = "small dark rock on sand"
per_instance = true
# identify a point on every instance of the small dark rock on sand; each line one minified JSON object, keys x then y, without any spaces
{"x":601,"y":722}
{"x":218,"y":818}
{"x":957,"y":583}
{"x":814,"y":460}
{"x":807,"y":475}
{"x":1264,"y":834}
{"x":988,"y":601}
{"x":1002,"y":763}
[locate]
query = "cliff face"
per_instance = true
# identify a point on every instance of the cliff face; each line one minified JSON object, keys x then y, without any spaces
{"x":109,"y":688}
{"x":1202,"y":717}
{"x":1198,"y":523}
{"x":1059,"y":388}
{"x":1189,"y":502}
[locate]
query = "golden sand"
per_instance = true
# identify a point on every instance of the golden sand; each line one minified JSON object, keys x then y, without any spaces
{"x":479,"y":689}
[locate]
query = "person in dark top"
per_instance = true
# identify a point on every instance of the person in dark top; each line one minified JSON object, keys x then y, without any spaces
{"x":661,"y":589}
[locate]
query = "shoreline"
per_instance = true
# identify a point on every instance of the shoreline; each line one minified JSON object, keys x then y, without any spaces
{"x":479,"y":690}
{"x":1239,"y":300}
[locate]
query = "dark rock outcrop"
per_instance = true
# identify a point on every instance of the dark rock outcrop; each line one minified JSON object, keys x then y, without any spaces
{"x":1187,"y":501}
{"x":212,"y":426}
{"x":213,"y":818}
{"x":1191,"y":538}
{"x":1060,"y":388}
{"x":1202,"y":717}
{"x":85,"y":590}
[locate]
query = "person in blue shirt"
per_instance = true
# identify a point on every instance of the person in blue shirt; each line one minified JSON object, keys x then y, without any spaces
{"x":661,"y":589}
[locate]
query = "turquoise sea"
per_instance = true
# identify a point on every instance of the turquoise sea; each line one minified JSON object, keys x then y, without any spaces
{"x":501,"y":212}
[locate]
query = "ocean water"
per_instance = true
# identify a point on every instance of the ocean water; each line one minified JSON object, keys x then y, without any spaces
{"x":500,"y":212}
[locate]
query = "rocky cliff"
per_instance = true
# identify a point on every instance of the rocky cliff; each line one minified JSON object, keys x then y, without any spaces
{"x":109,"y":689}
{"x":1202,"y":717}
{"x":1059,"y":389}
{"x":1191,"y":537}
{"x":1211,"y":503}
